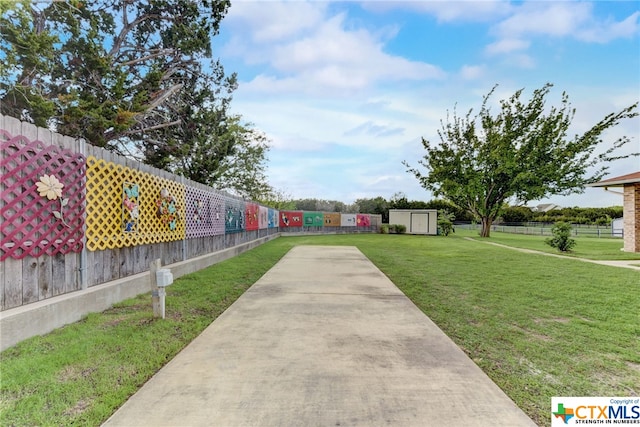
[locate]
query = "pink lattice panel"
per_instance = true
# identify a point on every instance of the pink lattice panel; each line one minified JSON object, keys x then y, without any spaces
{"x":29,"y":226}
{"x":204,"y":213}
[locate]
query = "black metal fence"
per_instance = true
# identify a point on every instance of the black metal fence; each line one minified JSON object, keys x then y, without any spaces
{"x":544,"y":229}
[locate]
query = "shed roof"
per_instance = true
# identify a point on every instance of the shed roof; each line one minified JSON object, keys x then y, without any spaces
{"x":618,"y":181}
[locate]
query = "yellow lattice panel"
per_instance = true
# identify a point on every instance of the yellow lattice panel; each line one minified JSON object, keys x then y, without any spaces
{"x":115,"y":191}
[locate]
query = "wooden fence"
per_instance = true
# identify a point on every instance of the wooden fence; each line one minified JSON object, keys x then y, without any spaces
{"x":75,"y":216}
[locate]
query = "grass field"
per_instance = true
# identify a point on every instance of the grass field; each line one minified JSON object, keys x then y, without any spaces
{"x":586,"y":247}
{"x":538,"y":326}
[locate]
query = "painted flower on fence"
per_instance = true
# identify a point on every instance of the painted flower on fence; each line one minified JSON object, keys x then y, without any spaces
{"x":167,"y":211}
{"x":131,"y":193}
{"x":50,"y":187}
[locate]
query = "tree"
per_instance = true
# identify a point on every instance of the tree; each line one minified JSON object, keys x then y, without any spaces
{"x":378,"y":206}
{"x":135,"y":77}
{"x":122,"y":74}
{"x":516,"y":214}
{"x":522,"y":153}
{"x":279,"y":200}
{"x":243,"y":170}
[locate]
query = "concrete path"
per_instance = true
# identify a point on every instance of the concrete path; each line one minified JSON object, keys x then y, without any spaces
{"x":322,"y":339}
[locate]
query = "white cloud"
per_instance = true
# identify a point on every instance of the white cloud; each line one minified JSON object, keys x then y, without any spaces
{"x":370,"y":128}
{"x":548,"y":18}
{"x":326,"y":59}
{"x":274,"y":21}
{"x":604,"y":32}
{"x":565,"y":19}
{"x":534,"y":19}
{"x":446,"y":11}
{"x":507,"y":45}
{"x":472,"y":72}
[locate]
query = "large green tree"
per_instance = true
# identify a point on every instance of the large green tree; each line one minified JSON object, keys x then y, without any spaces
{"x":136,"y":77}
{"x":243,"y":171}
{"x":522,"y":152}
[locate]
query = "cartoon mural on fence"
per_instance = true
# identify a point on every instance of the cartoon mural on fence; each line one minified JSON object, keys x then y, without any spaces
{"x":263,"y":217}
{"x":313,"y":219}
{"x":43,"y":193}
{"x":362,"y":220}
{"x":291,"y":219}
{"x":347,"y":220}
{"x":273,"y":218}
{"x":251,"y":216}
{"x":332,"y":219}
{"x":235,"y":215}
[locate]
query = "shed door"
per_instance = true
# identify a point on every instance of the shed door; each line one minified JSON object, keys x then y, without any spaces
{"x":420,"y":223}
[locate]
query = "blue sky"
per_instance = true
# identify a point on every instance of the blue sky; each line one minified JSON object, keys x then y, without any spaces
{"x":346,"y":90}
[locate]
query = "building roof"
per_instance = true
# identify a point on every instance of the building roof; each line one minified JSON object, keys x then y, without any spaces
{"x":618,"y":181}
{"x":546,"y":207}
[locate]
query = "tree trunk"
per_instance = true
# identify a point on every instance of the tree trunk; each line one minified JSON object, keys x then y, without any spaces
{"x":486,"y":227}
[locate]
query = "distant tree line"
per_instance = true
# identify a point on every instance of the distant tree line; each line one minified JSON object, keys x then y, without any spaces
{"x":509,"y":214}
{"x":378,"y":205}
{"x":575,"y":215}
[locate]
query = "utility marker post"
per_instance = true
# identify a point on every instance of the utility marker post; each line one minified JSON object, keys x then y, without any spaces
{"x":155,"y":290}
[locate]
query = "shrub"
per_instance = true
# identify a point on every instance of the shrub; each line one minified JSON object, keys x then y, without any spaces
{"x":445,"y":222}
{"x":561,"y":239}
{"x":384,"y":229}
{"x":397,"y":228}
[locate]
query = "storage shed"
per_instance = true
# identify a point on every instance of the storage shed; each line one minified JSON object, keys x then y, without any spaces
{"x":417,"y":221}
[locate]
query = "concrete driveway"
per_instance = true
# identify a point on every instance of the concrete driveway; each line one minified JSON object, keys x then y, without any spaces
{"x":322,"y":339}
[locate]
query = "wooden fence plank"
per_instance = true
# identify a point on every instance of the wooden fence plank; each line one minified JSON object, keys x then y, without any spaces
{"x":31,"y":266}
{"x":45,"y":277}
{"x":112,"y":268}
{"x":71,"y":277}
{"x":30,"y":276}
{"x":58,"y":285}
{"x":12,"y":283}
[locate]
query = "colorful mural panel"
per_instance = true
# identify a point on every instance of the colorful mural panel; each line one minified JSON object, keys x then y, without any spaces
{"x":363,"y":220}
{"x":43,"y":193}
{"x":332,"y":219}
{"x":313,"y":219}
{"x":204,"y":213}
{"x":263,"y":217}
{"x":234,"y":215}
{"x":251,"y":216}
{"x":127,"y":207}
{"x":273,"y":218}
{"x":347,"y":220}
{"x":290,"y":219}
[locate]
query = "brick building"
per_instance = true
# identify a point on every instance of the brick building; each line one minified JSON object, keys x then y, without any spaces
{"x":630,"y":184}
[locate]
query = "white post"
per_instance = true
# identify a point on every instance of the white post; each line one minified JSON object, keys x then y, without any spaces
{"x":158,"y":310}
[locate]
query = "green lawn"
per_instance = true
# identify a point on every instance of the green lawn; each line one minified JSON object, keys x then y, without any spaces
{"x":586,"y":247}
{"x":538,"y":326}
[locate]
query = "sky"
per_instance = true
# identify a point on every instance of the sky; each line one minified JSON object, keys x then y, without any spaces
{"x":345,"y":91}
